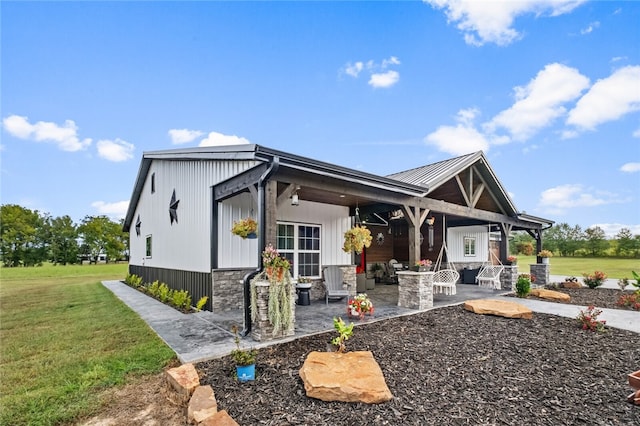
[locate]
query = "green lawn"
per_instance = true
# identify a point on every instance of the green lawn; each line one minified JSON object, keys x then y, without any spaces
{"x":63,"y":339}
{"x":576,"y":266}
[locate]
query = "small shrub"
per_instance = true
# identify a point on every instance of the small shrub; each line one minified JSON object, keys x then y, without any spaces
{"x":164,"y":293}
{"x":154,"y":288}
{"x":523,"y":285}
{"x":180,"y":299}
{"x":630,"y":300}
{"x":344,"y":332}
{"x":588,"y":319}
{"x":201,"y":303}
{"x":594,"y":280}
{"x":242,"y":356}
{"x":623,"y":283}
{"x":133,"y":280}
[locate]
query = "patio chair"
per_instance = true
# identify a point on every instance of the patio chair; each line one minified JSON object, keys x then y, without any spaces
{"x":489,"y":276}
{"x":394,"y":267}
{"x":444,"y":281}
{"x":333,"y":282}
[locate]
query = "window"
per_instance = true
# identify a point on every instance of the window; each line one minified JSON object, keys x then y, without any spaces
{"x":300,"y":244}
{"x":469,"y":246}
{"x":153,"y":183}
{"x":148,"y":254}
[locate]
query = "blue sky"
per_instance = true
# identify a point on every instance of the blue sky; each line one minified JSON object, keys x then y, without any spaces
{"x":550,"y":90}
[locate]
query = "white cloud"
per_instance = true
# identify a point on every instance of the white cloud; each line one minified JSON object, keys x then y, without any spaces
{"x":384,"y":80}
{"x":180,"y":136}
{"x":461,"y":139}
{"x":117,"y":209}
{"x":589,"y":29}
{"x":379,"y":74}
{"x":608,"y":99}
{"x":630,"y":167}
{"x":612,"y":229}
{"x":636,"y":134}
{"x":540,"y":102}
{"x":218,"y":139}
{"x":491,"y":22}
{"x":65,"y":136}
{"x":561,"y":198}
{"x":117,"y":150}
{"x":354,"y":69}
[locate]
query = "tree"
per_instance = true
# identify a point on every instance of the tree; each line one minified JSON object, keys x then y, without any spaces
{"x":564,"y":238}
{"x":596,"y":241}
{"x":102,"y":236}
{"x":63,"y":240}
{"x":626,"y":243}
{"x":523,"y":243}
{"x":22,"y":239}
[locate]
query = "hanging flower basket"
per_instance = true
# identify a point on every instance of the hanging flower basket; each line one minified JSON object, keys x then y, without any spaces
{"x":245,"y":228}
{"x":356,"y":239}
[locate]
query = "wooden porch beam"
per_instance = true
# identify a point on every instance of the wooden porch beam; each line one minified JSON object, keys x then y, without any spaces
{"x":463,"y":190}
{"x":286,"y":194}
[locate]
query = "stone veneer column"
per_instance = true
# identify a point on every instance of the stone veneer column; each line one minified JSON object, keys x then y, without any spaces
{"x":415,"y":290}
{"x":509,"y":277}
{"x":541,"y":272}
{"x":349,"y":277}
{"x":261,"y":329}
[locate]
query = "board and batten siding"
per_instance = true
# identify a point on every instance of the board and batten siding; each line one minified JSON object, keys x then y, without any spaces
{"x":455,"y":243}
{"x":234,"y":252}
{"x":185,"y":245}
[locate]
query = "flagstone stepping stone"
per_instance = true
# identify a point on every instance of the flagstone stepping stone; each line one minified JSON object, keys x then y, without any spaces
{"x":347,"y":377}
{"x":500,"y":308}
{"x":183,"y":379}
{"x":550,"y":294}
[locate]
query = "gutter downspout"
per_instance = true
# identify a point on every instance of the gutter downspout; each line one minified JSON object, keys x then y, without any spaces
{"x":262,"y":218}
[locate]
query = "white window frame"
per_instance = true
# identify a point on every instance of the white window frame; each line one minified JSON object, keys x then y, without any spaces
{"x":296,"y":251}
{"x":470,"y":248}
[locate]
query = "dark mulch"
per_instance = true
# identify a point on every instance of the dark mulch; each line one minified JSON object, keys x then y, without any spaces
{"x":598,"y":297}
{"x":451,"y":367}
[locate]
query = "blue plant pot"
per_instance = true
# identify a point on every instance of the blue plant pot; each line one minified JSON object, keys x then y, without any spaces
{"x":246,"y":373}
{"x":252,"y":236}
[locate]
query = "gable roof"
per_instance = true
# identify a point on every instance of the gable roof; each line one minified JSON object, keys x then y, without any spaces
{"x":433,"y":176}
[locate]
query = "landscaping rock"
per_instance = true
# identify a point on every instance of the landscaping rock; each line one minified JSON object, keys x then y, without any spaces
{"x":347,"y":377}
{"x":202,"y":404}
{"x":550,"y":294}
{"x":571,"y":284}
{"x":221,"y":418}
{"x":183,"y":379}
{"x":498,"y":307}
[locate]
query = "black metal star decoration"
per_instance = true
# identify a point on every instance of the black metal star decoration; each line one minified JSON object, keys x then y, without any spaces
{"x":173,"y":208}
{"x":138,"y":225}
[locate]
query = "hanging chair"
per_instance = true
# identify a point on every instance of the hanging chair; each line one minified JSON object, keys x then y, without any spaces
{"x":444,"y":280}
{"x":489,"y":275}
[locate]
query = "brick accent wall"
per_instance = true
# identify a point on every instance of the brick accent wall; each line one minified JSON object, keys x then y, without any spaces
{"x":415,"y":290}
{"x":227,"y":289}
{"x":541,"y":272}
{"x":261,"y":329}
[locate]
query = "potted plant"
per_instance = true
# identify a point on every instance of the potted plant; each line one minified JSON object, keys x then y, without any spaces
{"x":545,"y":255}
{"x":356,"y":239}
{"x":344,"y":332}
{"x":244,"y":359}
{"x":512,"y":260}
{"x":422,"y":265}
{"x":359,"y":305}
{"x":279,"y":309}
{"x":378,"y":271}
{"x":245,"y":228}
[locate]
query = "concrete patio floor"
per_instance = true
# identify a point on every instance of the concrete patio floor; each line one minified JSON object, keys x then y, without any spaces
{"x":207,"y":335}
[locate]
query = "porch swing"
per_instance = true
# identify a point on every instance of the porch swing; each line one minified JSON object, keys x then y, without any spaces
{"x":489,"y":275}
{"x":444,"y":280}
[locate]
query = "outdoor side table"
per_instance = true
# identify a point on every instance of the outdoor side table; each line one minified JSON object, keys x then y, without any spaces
{"x":303,"y":294}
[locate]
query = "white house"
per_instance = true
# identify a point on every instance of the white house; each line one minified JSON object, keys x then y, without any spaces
{"x":185,"y":201}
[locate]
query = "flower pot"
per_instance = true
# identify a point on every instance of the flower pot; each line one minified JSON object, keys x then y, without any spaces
{"x":246,"y":373}
{"x":252,"y":236}
{"x":545,"y":260}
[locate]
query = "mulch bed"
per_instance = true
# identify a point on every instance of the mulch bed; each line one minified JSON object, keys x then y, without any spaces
{"x":451,"y":367}
{"x":599,"y":297}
